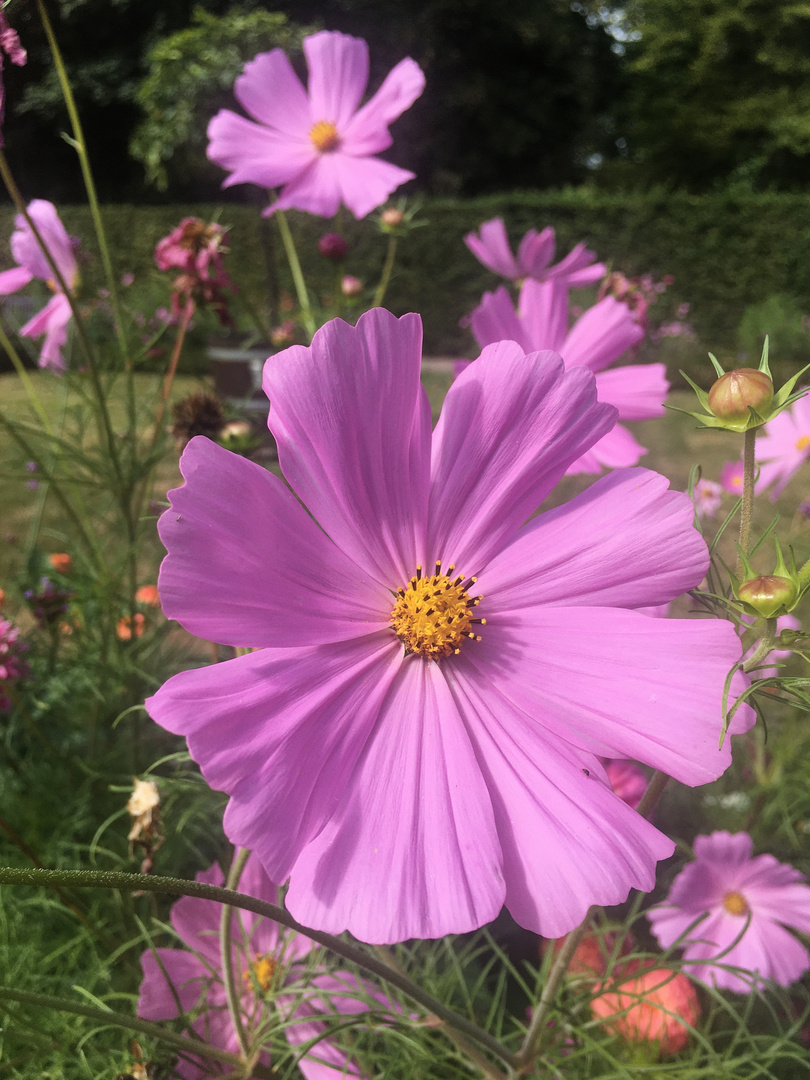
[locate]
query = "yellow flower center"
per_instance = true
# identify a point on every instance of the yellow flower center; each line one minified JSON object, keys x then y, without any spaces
{"x":735,"y":903}
{"x":324,"y":136}
{"x":263,"y":970}
{"x":432,"y":615}
{"x":803,"y":442}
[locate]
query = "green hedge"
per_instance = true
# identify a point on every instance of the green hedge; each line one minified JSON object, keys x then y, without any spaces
{"x":726,"y":251}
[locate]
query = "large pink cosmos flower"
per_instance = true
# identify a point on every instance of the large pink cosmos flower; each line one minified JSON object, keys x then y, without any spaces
{"x":410,"y":767}
{"x":784,"y":447}
{"x":491,"y":247}
{"x":268,"y":963}
{"x":317,"y":145}
{"x":729,"y":885}
{"x":597,"y":339}
{"x":52,"y":321}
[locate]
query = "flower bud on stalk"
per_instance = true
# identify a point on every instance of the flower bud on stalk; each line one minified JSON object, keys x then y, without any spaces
{"x":736,"y":392}
{"x":333,"y":247}
{"x":768,"y":594}
{"x":351,"y":286}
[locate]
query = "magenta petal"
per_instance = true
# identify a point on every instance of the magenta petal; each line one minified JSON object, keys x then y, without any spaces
{"x":12,"y":280}
{"x":638,"y":391}
{"x":411,"y":851}
{"x":338,"y":75}
{"x":536,"y":251}
{"x":343,"y":996}
{"x":55,"y":315}
{"x":568,"y":841}
{"x":280,"y":731}
{"x":272,"y":93}
{"x":25,"y":246}
{"x":254,"y":154}
{"x":247,"y":566}
{"x":617,"y":683}
{"x":364,"y":183}
{"x":362,"y":472}
{"x":491,"y":247}
{"x":544,"y":315}
{"x":510,"y":425}
{"x":495,"y":319}
{"x":367,"y":131}
{"x":616,"y":450}
{"x":171,"y":975}
{"x":601,"y":334}
{"x":575,"y":555}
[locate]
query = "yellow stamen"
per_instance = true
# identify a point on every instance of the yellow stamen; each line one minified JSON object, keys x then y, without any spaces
{"x":735,"y":903}
{"x":263,"y":970}
{"x":803,"y":443}
{"x":324,"y":136}
{"x":432,"y":615}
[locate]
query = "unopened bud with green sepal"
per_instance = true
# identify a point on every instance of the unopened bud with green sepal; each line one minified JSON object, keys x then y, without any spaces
{"x":743,"y":399}
{"x":771,"y":595}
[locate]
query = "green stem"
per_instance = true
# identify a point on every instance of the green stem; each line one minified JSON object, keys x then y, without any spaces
{"x":385,"y":277}
{"x":297,"y":273}
{"x":766,"y":644}
{"x":103,"y":879}
{"x":746,"y":512}
{"x":25,"y":379}
{"x":226,"y":952}
{"x":184,"y":1044}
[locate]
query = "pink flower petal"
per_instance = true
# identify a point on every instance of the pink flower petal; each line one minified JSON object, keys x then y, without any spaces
{"x":536,"y":251}
{"x":254,"y":154}
{"x":272,"y":93}
{"x":638,"y":391}
{"x":577,"y":268}
{"x":601,"y":335}
{"x":171,"y":975}
{"x":361,"y":471}
{"x":364,"y":183}
{"x":495,"y":319}
{"x":367,"y":131}
{"x":543,"y":311}
{"x":268,"y":577}
{"x":510,"y":425}
{"x":54,"y":315}
{"x":612,"y":682}
{"x":491,"y":247}
{"x":338,"y":75}
{"x":619,"y":449}
{"x":575,"y":555}
{"x":27,"y":252}
{"x":568,"y":841}
{"x":411,"y":851}
{"x":12,"y":280}
{"x":280,"y":731}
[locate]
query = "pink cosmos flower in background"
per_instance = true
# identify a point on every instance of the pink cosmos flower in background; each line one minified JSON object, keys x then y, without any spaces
{"x":708,"y":496}
{"x":783,"y":447}
{"x":315,"y":144}
{"x":627,"y":781}
{"x":53,"y":319}
{"x":596,"y":340}
{"x":196,"y":248}
{"x":267,"y":961}
{"x":416,"y":741}
{"x":731,"y":477}
{"x":729,"y":885}
{"x":490,"y":245}
{"x":13,"y":666}
{"x":10,"y":45}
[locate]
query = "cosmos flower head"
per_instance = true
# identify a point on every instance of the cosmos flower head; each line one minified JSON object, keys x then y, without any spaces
{"x":708,"y":496}
{"x":53,"y":319}
{"x":783,"y":448}
{"x":596,"y":340}
{"x":271,"y":967}
{"x":417,"y":739}
{"x":318,"y":145}
{"x":490,"y":245}
{"x":751,"y":903}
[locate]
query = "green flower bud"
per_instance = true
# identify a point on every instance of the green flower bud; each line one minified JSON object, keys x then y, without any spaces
{"x":736,"y":392}
{"x":768,"y":594}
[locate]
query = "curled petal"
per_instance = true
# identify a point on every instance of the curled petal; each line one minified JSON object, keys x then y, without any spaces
{"x":367,"y":131}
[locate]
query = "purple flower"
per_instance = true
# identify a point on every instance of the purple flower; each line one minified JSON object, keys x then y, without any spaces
{"x":317,"y":145}
{"x":269,"y":964}
{"x":491,"y":247}
{"x":730,"y":886}
{"x":53,"y":319}
{"x":784,"y":447}
{"x":12,"y":665}
{"x":410,"y":758}
{"x":596,"y":340}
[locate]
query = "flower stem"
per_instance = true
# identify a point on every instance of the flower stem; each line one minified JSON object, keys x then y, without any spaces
{"x":226,"y":952}
{"x":385,"y":277}
{"x":746,"y":512}
{"x":297,"y":273}
{"x":104,"y":879}
{"x":766,"y":644}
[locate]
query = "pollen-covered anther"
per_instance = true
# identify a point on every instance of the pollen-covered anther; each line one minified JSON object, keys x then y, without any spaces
{"x":735,"y":903}
{"x":432,"y":615}
{"x":324,"y":136}
{"x":262,"y":971}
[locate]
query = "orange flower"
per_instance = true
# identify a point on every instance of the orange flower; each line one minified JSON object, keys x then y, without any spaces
{"x":148,"y":594}
{"x":129,"y":628}
{"x":61,"y":562}
{"x":652,"y":1006}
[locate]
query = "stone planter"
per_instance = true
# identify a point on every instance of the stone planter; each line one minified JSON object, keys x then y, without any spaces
{"x":237,"y":375}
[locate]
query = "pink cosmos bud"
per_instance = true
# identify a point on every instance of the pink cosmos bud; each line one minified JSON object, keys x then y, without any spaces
{"x":650,"y":1007}
{"x":736,"y":391}
{"x":768,"y":594}
{"x":351,"y":286}
{"x":333,"y":247}
{"x":392,"y":217}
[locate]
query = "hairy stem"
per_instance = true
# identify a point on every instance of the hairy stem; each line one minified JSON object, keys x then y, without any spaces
{"x":226,"y":952}
{"x":746,"y":512}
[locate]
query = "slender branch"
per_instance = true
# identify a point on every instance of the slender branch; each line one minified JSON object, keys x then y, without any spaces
{"x":103,"y":879}
{"x":25,"y":379}
{"x":297,"y":273}
{"x":385,"y":277}
{"x":226,"y":952}
{"x":766,"y":644}
{"x":652,"y":794}
{"x":746,"y":513}
{"x":171,"y":371}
